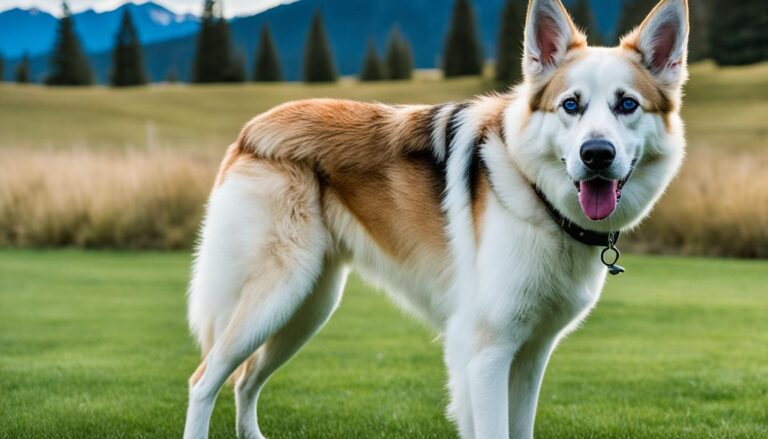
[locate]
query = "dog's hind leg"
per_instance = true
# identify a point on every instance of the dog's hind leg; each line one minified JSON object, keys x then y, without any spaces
{"x":265,"y":218}
{"x":278,"y":349}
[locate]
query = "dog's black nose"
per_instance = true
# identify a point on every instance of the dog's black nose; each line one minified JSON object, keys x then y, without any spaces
{"x":597,"y":154}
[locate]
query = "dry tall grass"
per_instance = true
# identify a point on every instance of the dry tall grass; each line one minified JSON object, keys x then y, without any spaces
{"x":129,"y":200}
{"x":154,"y":199}
{"x":718,"y":206}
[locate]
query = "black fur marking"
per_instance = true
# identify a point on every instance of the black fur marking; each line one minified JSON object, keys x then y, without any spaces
{"x":476,"y":166}
{"x":453,"y":127}
{"x":450,"y":133}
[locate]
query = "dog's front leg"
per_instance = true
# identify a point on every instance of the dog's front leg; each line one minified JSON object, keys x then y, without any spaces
{"x":488,"y":373}
{"x":525,"y":377}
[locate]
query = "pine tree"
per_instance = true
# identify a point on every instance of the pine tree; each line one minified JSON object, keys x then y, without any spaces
{"x":399,"y":61}
{"x":22,"y":70}
{"x":511,"y":32}
{"x":581,"y":13}
{"x":463,"y":54}
{"x":739,"y":33}
{"x":69,"y":65}
{"x":172,"y":75}
{"x":372,"y":68}
{"x":214,"y":61}
{"x":318,"y":60}
{"x":632,"y":14}
{"x":267,"y":68}
{"x":237,"y":72}
{"x":127,"y":61}
{"x":699,"y":37}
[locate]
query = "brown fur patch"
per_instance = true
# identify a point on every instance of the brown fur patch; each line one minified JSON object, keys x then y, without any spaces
{"x":398,"y":203}
{"x":545,"y":98}
{"x":334,"y":133}
{"x":654,"y":97}
{"x":481,"y":192}
{"x":376,"y":158}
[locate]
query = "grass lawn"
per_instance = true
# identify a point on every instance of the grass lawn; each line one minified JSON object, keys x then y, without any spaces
{"x":94,"y":344}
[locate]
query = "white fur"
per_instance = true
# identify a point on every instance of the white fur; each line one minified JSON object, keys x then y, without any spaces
{"x":439,"y":132}
{"x":273,"y":258}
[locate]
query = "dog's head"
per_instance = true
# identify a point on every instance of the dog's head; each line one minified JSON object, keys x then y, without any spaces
{"x":603,"y":137}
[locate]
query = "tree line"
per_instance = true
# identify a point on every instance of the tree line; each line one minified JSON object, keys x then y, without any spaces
{"x":735,"y":34}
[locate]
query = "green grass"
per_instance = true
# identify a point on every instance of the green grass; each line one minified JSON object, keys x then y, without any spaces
{"x":724,"y":108}
{"x":94,"y":344}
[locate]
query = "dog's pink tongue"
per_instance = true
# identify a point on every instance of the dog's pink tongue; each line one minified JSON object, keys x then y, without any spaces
{"x":598,"y":197}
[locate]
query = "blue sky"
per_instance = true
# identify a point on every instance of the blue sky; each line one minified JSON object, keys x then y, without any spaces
{"x":231,"y":7}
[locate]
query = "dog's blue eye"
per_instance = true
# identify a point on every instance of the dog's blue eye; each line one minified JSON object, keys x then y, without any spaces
{"x":628,"y":105}
{"x":571,"y":106}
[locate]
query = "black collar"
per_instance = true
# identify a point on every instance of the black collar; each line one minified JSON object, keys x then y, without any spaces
{"x":584,"y":236}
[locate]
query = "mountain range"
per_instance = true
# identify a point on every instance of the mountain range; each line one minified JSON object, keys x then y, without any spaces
{"x":33,"y":31}
{"x":169,"y":39}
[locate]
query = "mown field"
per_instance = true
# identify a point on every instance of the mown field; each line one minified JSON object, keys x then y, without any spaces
{"x":94,"y":344}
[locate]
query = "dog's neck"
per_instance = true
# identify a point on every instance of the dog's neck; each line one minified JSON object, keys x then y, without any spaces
{"x":584,"y":236}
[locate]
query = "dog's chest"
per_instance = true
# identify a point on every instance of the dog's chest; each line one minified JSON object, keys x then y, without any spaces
{"x":534,"y":272}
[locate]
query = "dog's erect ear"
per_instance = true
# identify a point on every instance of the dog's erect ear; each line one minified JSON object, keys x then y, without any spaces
{"x":549,"y":35}
{"x":662,"y":41}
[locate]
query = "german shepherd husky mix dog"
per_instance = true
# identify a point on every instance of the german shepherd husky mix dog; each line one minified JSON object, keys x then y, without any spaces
{"x":487,"y":218}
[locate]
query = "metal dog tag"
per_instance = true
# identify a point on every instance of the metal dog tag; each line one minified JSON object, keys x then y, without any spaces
{"x":610,"y":256}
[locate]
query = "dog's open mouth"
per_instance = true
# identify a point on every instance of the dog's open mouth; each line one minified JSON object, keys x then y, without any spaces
{"x":598,"y":197}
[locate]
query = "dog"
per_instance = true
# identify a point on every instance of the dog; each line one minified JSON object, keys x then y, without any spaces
{"x":490,"y":219}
